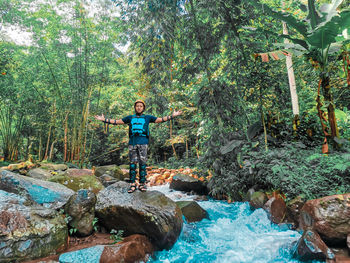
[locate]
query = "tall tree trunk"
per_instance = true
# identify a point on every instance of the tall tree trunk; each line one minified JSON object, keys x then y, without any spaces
{"x":65,"y":137}
{"x":40,"y":148}
{"x":48,"y":143}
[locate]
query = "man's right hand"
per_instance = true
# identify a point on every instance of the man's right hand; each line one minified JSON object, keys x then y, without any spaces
{"x":100,"y":117}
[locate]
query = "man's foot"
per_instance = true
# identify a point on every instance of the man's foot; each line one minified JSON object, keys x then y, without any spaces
{"x":132,"y":188}
{"x":143,"y":187}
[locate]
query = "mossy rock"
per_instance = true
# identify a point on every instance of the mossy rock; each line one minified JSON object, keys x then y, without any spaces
{"x":112,"y":170}
{"x":76,"y":183}
{"x":53,"y":166}
{"x":258,"y":199}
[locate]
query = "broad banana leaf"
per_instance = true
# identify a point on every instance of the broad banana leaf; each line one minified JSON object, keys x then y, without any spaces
{"x":328,"y":32}
{"x":313,"y":17}
{"x":330,"y":10}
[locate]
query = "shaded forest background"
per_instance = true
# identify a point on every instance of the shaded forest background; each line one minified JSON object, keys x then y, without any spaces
{"x":221,"y":62}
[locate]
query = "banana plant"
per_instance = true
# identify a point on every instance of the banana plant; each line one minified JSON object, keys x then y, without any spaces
{"x":321,"y":34}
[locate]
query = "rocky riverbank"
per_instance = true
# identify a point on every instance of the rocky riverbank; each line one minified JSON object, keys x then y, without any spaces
{"x":73,"y":209}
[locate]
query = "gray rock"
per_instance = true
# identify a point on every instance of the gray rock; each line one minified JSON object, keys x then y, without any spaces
{"x":107,"y":180}
{"x":192,"y":211}
{"x":48,"y":194}
{"x":81,"y":208}
{"x":39,"y":173}
{"x":182,"y":182}
{"x":28,"y":232}
{"x":148,"y":213}
{"x":112,"y":170}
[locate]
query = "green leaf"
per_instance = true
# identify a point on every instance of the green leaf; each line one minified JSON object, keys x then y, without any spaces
{"x":313,"y":16}
{"x":230,"y":146}
{"x":289,"y":19}
{"x":254,"y":129}
{"x":328,"y":32}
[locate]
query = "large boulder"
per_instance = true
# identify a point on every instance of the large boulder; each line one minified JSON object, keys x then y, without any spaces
{"x":192,"y":211}
{"x":112,"y":170}
{"x":29,"y":232}
{"x":53,"y":166}
{"x":77,"y":179}
{"x":78,"y":172}
{"x":329,"y":216}
{"x":48,"y":194}
{"x":148,"y":213}
{"x":311,"y":247}
{"x":107,"y":180}
{"x":20,"y":166}
{"x":39,"y":173}
{"x":81,"y":208}
{"x":135,"y":248}
{"x":276,"y":209}
{"x":186,"y":183}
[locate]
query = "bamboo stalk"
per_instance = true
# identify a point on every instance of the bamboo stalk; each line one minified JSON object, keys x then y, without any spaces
{"x":65,"y":137}
{"x":47,"y":143}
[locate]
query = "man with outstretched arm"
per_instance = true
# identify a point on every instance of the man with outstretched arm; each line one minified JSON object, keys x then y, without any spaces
{"x":138,"y":140}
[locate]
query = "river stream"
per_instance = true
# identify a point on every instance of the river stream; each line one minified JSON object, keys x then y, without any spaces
{"x":233,"y":233}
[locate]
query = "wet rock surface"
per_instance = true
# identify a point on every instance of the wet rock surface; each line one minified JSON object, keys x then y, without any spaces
{"x":183,"y":182}
{"x":135,"y":248}
{"x":311,"y":247}
{"x":276,"y":208}
{"x":48,"y":194}
{"x":81,"y":208}
{"x":29,"y":231}
{"x":148,"y":213}
{"x":329,"y":216}
{"x":192,"y":211}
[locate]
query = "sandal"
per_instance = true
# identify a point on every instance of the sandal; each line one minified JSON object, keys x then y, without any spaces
{"x":132,"y":188}
{"x":143,"y":187}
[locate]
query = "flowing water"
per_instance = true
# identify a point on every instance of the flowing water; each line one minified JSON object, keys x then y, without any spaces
{"x":233,"y":233}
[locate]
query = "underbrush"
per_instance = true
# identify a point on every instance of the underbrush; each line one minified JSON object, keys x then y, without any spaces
{"x":291,"y":168}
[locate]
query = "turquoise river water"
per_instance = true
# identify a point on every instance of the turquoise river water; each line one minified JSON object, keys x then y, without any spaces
{"x":233,"y":233}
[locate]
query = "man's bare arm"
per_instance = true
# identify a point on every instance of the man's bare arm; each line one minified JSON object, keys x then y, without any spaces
{"x":110,"y":121}
{"x":168,"y":118}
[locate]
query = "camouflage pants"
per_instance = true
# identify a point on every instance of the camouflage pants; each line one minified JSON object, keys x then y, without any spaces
{"x":138,"y":154}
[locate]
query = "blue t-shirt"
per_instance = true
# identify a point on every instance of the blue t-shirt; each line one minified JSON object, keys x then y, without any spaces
{"x":138,"y":128}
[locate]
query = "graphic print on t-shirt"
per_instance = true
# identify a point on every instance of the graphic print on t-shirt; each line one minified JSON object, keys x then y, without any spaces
{"x":138,"y":126}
